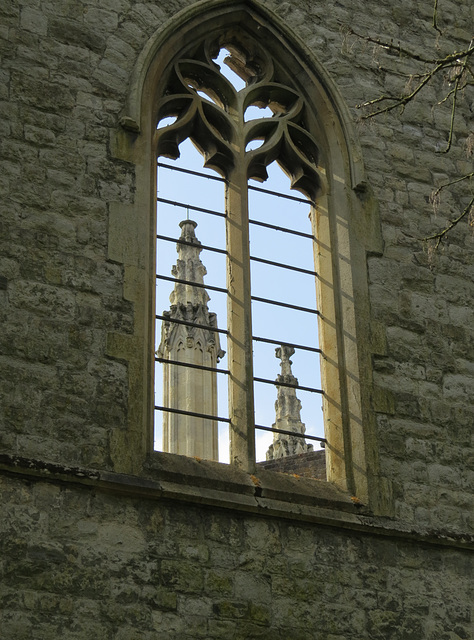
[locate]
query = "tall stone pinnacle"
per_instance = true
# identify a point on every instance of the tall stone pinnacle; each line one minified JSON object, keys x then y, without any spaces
{"x":188,"y":388}
{"x":288,"y":411}
{"x":189,"y":267}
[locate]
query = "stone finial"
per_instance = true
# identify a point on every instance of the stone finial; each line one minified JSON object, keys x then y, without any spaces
{"x":284,"y":354}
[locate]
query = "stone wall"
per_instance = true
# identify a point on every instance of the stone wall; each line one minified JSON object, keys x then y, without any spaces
{"x":83,"y":559}
{"x":81,"y":564}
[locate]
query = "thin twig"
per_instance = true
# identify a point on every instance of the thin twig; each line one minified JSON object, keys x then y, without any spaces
{"x":467,"y":176}
{"x":400,"y":101}
{"x":453,"y":113}
{"x":435,"y":17}
{"x":441,"y":234}
{"x":397,"y":48}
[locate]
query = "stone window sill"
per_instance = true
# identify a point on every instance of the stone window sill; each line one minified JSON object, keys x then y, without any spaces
{"x":266,"y":492}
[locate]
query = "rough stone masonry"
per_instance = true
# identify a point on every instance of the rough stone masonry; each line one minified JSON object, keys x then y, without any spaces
{"x":98,"y":543}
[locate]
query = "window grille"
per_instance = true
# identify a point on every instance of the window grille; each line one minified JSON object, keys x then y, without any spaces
{"x":207,"y":109}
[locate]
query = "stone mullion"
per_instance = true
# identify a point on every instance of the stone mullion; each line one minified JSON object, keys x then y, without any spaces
{"x":241,"y":397}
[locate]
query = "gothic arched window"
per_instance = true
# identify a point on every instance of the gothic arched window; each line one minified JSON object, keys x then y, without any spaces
{"x":307,"y":131}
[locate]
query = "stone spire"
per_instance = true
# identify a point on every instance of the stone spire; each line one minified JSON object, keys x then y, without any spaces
{"x":288,"y":411}
{"x":188,"y":388}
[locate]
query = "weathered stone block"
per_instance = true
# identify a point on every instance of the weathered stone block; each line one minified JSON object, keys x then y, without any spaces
{"x":73,"y":32}
{"x":182,"y":575}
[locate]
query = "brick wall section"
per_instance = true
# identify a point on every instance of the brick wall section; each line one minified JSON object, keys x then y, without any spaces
{"x":309,"y":465}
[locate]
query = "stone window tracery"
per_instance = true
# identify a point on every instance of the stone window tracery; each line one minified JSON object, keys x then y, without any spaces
{"x":209,"y":110}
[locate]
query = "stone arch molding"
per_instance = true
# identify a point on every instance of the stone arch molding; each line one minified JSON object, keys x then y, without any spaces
{"x":345,"y":226}
{"x":216,"y":16}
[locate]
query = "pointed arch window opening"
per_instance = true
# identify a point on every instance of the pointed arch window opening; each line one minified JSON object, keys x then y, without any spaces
{"x":308,"y":176}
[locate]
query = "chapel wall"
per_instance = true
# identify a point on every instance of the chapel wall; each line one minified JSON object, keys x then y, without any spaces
{"x":80,"y":561}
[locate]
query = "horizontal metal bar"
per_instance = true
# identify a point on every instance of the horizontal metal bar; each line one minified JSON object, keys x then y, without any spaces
{"x":193,"y":284}
{"x":191,"y":244}
{"x":287,"y":384}
{"x":284,"y":304}
{"x":220,"y":179}
{"x":192,"y":413}
{"x":191,"y":206}
{"x":220,"y":419}
{"x":287,"y":344}
{"x":281,"y":195}
{"x":224,"y":252}
{"x":291,"y":433}
{"x":191,"y":365}
{"x":284,"y":229}
{"x":200,"y":174}
{"x":283,"y":266}
{"x":192,"y":324}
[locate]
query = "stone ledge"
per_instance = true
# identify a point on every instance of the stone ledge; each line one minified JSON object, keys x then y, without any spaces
{"x":211,"y":484}
{"x":262,"y":487}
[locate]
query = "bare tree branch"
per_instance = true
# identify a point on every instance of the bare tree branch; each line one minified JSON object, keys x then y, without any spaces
{"x":437,"y":191}
{"x":399,"y":101}
{"x":456,"y":66}
{"x":458,"y":60}
{"x":401,"y":51}
{"x":442,"y":234}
